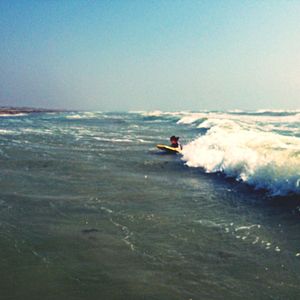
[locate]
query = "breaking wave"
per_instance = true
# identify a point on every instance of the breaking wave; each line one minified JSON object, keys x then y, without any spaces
{"x":243,"y":150}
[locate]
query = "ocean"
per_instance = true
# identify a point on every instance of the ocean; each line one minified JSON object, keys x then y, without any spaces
{"x":91,"y":209}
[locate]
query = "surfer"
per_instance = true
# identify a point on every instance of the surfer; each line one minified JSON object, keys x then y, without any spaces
{"x":175,"y":142}
{"x":175,"y":146}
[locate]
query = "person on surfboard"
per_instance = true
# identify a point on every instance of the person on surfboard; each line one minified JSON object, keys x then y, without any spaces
{"x":175,"y":142}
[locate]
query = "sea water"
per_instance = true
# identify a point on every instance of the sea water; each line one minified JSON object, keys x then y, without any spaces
{"x":90,"y":209}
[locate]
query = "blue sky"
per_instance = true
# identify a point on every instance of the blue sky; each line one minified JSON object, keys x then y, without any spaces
{"x":145,"y":55}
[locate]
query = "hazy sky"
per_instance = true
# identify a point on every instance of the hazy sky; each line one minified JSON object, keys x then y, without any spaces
{"x":145,"y":55}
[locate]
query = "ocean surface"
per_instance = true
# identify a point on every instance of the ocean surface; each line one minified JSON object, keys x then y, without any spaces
{"x":90,"y":209}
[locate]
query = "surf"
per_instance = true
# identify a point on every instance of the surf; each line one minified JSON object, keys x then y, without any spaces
{"x":262,"y":159}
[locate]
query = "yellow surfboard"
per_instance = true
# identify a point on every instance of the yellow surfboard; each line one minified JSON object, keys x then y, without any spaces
{"x":169,"y":148}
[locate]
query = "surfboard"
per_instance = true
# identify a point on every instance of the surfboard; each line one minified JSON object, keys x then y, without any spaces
{"x":169,"y":148}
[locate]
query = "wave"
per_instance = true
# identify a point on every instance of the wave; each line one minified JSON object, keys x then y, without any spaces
{"x":192,"y":118}
{"x":13,"y":115}
{"x":265,"y":160}
{"x":74,"y":117}
{"x":250,"y":118}
{"x":6,"y":132}
{"x":277,"y":111}
{"x":159,"y":113}
{"x":84,"y":115}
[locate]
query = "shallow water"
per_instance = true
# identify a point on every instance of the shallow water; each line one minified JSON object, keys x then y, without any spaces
{"x":89,"y":209}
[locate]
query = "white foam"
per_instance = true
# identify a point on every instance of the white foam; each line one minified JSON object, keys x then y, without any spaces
{"x":263,"y":159}
{"x":247,"y":227}
{"x":192,"y":118}
{"x":251,"y":120}
{"x":13,"y":115}
{"x":158,"y":113}
{"x":5,"y":131}
{"x":37,"y":131}
{"x":84,"y":115}
{"x":74,"y":117}
{"x":262,"y":111}
{"x":155,"y":113}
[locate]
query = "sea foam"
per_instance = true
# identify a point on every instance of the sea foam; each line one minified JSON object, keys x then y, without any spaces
{"x":265,"y":160}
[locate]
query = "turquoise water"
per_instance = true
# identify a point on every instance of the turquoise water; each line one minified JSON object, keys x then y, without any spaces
{"x":90,"y":209}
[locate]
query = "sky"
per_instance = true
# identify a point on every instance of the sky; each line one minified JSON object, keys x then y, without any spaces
{"x":148,"y":55}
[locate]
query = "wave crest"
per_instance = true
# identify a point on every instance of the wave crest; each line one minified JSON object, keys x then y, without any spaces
{"x":265,"y":160}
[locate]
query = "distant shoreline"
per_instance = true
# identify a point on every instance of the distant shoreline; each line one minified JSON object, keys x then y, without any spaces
{"x":25,"y":110}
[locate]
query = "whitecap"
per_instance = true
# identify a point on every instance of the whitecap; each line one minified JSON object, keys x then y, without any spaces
{"x":266,"y":160}
{"x":13,"y":115}
{"x":5,"y":132}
